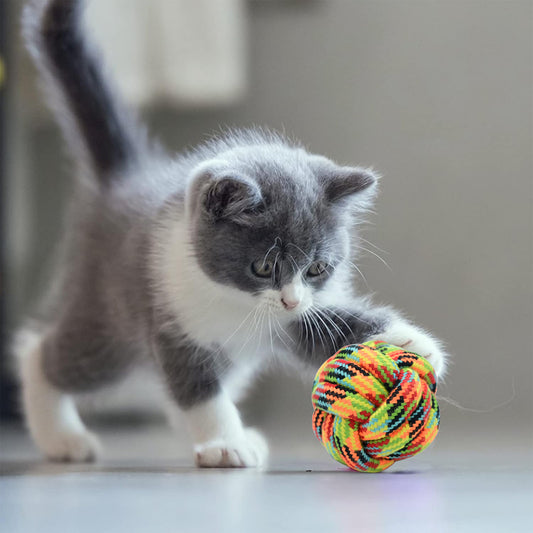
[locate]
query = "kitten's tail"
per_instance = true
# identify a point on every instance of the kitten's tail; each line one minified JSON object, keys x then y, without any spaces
{"x":100,"y":132}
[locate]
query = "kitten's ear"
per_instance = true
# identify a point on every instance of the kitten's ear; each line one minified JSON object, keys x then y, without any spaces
{"x":231,"y":197}
{"x":347,"y":182}
{"x":228,"y":196}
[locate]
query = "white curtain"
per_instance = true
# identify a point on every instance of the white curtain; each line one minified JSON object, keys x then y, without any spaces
{"x":190,"y":53}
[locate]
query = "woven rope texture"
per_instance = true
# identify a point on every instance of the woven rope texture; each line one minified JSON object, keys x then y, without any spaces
{"x":374,"y":405}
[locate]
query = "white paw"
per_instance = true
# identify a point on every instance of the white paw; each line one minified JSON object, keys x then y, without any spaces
{"x":77,"y":447}
{"x":51,"y":416}
{"x":414,"y":339}
{"x":249,"y":450}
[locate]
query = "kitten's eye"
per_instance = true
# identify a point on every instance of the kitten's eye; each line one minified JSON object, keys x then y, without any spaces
{"x":262,"y":269}
{"x":316,"y":269}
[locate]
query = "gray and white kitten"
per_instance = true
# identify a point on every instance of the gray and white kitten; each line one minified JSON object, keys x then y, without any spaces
{"x":211,"y":264}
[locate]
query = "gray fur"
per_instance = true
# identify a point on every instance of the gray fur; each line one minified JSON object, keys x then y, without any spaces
{"x":250,"y":195}
{"x":288,"y":206}
{"x":192,"y":373}
{"x":98,"y":129}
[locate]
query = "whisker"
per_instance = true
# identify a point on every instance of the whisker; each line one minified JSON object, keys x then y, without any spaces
{"x":359,"y":271}
{"x":357,"y":317}
{"x":260,"y":321}
{"x":202,"y":311}
{"x":253,"y":330}
{"x":279,"y":336}
{"x":269,"y":250}
{"x":308,"y":325}
{"x":270,"y":330}
{"x":372,"y":244}
{"x":301,"y":325}
{"x":273,"y":276}
{"x":234,"y":332}
{"x":376,"y":255}
{"x":341,"y":319}
{"x":293,"y":262}
{"x":313,"y":309}
{"x":308,"y":339}
{"x":298,"y":248}
{"x":284,"y":331}
{"x":314,"y":322}
{"x":332,"y":322}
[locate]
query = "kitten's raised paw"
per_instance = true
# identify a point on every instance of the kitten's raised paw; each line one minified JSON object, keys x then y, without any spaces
{"x":250,"y":450}
{"x":76,"y":447}
{"x":414,"y":339}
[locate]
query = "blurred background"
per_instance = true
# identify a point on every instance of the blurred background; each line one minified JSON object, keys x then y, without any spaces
{"x":435,"y":95}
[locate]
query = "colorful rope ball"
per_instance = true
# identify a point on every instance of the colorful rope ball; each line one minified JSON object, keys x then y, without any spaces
{"x":374,"y":404}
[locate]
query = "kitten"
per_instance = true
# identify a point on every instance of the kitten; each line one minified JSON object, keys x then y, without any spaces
{"x":210,"y":264}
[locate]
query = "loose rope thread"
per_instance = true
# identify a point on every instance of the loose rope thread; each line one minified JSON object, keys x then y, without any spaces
{"x":374,"y":405}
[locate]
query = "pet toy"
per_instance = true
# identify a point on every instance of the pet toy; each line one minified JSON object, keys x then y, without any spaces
{"x":374,"y":405}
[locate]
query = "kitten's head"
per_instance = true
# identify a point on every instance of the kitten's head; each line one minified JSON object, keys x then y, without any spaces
{"x":274,"y":221}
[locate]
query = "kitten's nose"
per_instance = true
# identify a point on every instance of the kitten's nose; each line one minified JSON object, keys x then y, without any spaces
{"x":290,"y":304}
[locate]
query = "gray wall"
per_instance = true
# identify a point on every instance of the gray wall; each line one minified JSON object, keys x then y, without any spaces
{"x":437,"y":96}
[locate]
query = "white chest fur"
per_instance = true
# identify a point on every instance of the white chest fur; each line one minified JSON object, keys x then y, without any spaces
{"x":212,"y":315}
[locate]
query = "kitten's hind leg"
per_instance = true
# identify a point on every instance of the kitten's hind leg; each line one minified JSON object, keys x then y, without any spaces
{"x":51,"y":415}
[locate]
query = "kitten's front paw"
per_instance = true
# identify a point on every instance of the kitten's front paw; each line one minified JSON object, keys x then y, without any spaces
{"x":249,"y":450}
{"x":414,"y":339}
{"x":71,"y":446}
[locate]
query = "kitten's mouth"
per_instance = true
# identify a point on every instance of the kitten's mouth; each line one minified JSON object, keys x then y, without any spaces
{"x":298,"y":310}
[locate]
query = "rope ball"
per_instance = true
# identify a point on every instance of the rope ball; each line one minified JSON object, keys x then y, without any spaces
{"x":374,"y":404}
